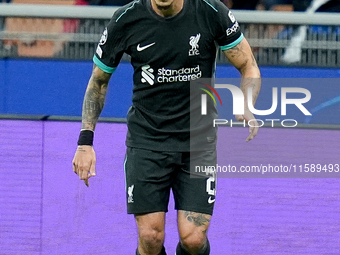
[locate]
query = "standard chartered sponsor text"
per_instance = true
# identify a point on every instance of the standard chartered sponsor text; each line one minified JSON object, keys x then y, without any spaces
{"x":182,"y":74}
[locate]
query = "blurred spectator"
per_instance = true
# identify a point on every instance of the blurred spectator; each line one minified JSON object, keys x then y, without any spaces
{"x":301,"y":5}
{"x":228,"y":3}
{"x":108,"y":2}
{"x":269,"y":4}
{"x":2,"y":20}
{"x":244,"y":4}
{"x":298,"y":5}
{"x":71,"y":25}
{"x":329,"y":6}
{"x":293,"y":52}
{"x":81,"y":2}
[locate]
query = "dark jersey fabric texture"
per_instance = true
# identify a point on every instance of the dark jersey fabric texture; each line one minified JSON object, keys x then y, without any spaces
{"x":167,"y":54}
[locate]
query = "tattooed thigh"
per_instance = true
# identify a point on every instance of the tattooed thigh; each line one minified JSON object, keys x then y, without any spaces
{"x":198,"y":219}
{"x":193,"y":224}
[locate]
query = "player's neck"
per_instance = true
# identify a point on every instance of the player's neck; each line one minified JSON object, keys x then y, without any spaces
{"x":167,"y":8}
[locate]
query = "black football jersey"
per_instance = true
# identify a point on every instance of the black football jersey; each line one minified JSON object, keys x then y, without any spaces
{"x":166,"y":55}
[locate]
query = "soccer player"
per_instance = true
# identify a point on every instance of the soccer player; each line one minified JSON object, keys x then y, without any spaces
{"x":171,"y":43}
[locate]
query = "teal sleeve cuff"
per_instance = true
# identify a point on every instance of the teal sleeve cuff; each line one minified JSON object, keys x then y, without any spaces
{"x":233,"y":44}
{"x":102,"y":66}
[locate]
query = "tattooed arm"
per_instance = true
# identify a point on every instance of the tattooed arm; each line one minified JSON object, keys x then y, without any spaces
{"x":85,"y":158}
{"x":243,"y":59}
{"x":94,"y":98}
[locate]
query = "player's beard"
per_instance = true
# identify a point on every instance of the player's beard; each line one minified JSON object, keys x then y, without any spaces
{"x":167,"y":8}
{"x":164,"y":5}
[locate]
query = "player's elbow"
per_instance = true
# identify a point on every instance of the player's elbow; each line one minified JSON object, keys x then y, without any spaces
{"x":250,"y":71}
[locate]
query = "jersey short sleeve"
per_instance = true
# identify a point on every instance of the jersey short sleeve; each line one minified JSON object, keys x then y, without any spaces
{"x":227,"y":30}
{"x":111,"y":46}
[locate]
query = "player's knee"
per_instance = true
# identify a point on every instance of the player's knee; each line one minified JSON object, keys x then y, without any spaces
{"x":194,"y":241}
{"x":151,"y":237}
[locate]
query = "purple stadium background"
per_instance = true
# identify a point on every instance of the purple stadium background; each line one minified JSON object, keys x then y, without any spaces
{"x":45,"y":209}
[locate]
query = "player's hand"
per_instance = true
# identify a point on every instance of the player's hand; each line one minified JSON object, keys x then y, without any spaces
{"x":84,"y":163}
{"x":254,"y":125}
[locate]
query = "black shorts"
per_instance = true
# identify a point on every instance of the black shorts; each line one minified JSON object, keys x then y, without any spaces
{"x":151,"y":174}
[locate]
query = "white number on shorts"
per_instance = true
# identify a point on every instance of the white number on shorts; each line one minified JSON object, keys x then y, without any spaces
{"x":212,"y":179}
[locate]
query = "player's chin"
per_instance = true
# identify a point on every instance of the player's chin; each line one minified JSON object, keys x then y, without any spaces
{"x":163,"y":5}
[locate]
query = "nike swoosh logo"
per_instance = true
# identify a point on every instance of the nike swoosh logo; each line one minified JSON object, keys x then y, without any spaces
{"x":210,"y":201}
{"x":139,"y":48}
